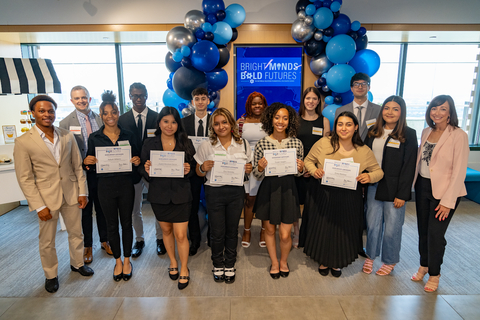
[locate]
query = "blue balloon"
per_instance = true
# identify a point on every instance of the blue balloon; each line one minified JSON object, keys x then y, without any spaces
{"x":355,"y":25}
{"x":347,"y":97}
{"x":234,"y":15}
{"x":170,"y":76}
{"x":185,"y":50}
{"x":329,"y":113}
{"x":323,"y":18}
{"x":199,"y":34}
{"x":171,"y":65}
{"x":169,"y":84}
{"x":205,"y":55}
{"x":171,"y":99}
{"x":212,"y":18}
{"x":326,"y":38}
{"x":335,"y":6}
{"x":362,"y":31}
{"x":329,"y":100}
{"x":222,"y":32}
{"x":186,"y":80}
{"x":338,"y":77}
{"x":341,"y":24}
{"x":366,"y":61}
{"x":181,"y":106}
{"x":211,"y":105}
{"x":212,"y":6}
{"x":217,"y":79}
{"x":370,"y":96}
{"x":340,"y":49}
{"x":318,"y":4}
{"x":362,"y":42}
{"x":327,"y":3}
{"x":310,"y":10}
{"x":177,"y":56}
{"x":207,"y":27}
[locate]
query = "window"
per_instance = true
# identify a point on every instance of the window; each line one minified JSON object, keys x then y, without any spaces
{"x":384,"y":82}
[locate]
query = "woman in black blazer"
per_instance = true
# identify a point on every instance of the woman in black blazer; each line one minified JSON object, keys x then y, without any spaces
{"x":171,"y":198}
{"x":395,"y":147}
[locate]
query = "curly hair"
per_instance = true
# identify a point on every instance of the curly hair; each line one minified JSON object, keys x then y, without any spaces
{"x":271,"y":111}
{"x":225,"y":113}
{"x":248,"y":103}
{"x":108,"y":98}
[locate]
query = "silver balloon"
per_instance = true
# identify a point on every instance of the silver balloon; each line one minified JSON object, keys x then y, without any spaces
{"x":320,"y":64}
{"x":318,"y":35}
{"x":302,"y":32}
{"x":186,"y":112}
{"x":178,"y":37}
{"x":325,"y":88}
{"x":301,"y":14}
{"x":194,"y":20}
{"x":308,"y":20}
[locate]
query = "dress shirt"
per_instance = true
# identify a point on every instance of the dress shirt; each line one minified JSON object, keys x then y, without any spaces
{"x":205,"y":129}
{"x":83,"y":124}
{"x":143,"y":115}
{"x":356,"y":109}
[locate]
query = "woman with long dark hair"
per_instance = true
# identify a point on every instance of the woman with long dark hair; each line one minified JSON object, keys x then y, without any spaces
{"x":171,"y":198}
{"x":395,"y":147}
{"x":334,"y":230}
{"x":439,"y":184}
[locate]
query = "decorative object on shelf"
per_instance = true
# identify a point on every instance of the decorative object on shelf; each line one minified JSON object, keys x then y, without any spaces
{"x":9,"y":133}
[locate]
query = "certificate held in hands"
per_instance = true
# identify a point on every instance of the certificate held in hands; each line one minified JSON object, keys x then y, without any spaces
{"x":281,"y":162}
{"x":167,"y":164}
{"x":113,"y":159}
{"x":342,"y":174}
{"x":228,"y":172}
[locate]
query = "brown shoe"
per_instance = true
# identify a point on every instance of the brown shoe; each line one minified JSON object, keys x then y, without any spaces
{"x":87,"y":255}
{"x":107,"y":248}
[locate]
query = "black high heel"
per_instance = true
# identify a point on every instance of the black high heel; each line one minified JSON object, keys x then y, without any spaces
{"x":127,"y":277}
{"x":182,"y":286}
{"x":117,"y":277}
{"x":173,"y":276}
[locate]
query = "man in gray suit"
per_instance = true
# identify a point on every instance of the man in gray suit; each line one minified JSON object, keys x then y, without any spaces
{"x":81,"y":122}
{"x":365,"y":111}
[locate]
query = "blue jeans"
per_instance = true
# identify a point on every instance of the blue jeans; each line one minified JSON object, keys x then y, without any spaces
{"x":384,"y":228}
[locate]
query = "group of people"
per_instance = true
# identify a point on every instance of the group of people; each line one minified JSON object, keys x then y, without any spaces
{"x":374,"y":138}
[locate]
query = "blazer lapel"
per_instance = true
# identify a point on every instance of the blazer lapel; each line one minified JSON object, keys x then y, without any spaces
{"x":442,"y":140}
{"x":39,"y":141}
{"x":62,"y":140}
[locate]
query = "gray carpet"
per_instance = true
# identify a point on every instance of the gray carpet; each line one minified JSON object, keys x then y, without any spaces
{"x":22,"y":275}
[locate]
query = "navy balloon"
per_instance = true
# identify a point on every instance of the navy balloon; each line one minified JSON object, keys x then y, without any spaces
{"x":327,"y":3}
{"x":328,"y":32}
{"x":362,"y":43}
{"x":341,"y":24}
{"x":362,"y":31}
{"x":347,"y":97}
{"x":212,"y":18}
{"x":314,"y":48}
{"x":337,"y":100}
{"x":205,"y":56}
{"x":186,"y":62}
{"x":301,"y":5}
{"x":212,"y":95}
{"x":321,"y":81}
{"x":171,"y":65}
{"x":220,"y":15}
{"x":336,"y":15}
{"x":199,"y":34}
{"x":186,"y":80}
{"x":353,"y":34}
{"x":234,"y":34}
{"x":224,"y":57}
{"x":209,"y":36}
{"x":318,"y":4}
{"x":212,"y":6}
{"x":217,"y":79}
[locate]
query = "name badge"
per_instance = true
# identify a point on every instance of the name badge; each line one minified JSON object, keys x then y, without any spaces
{"x":370,"y":122}
{"x":123,"y":143}
{"x":348,"y":160}
{"x":317,"y":131}
{"x":76,"y":129}
{"x":393,"y":143}
{"x":151,"y":133}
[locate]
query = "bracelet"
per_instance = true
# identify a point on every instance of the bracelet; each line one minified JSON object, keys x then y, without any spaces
{"x":200,"y":169}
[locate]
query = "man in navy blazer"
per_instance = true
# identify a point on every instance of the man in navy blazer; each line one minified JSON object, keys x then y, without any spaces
{"x":141,"y":121}
{"x":365,"y":111}
{"x":197,"y":125}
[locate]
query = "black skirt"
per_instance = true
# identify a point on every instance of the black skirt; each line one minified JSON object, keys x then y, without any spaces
{"x":173,"y":213}
{"x":310,"y":205}
{"x":277,"y":200}
{"x":335,"y":225}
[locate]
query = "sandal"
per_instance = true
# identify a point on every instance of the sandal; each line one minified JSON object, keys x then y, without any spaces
{"x":385,"y":269}
{"x":262,"y":243}
{"x":246,"y":244}
{"x":418,"y":276}
{"x":432,"y":284}
{"x":368,"y":266}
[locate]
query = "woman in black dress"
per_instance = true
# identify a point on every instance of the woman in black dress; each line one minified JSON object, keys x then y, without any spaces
{"x":171,"y":198}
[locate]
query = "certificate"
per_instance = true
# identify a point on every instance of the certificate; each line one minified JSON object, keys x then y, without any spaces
{"x":281,"y":162}
{"x":197,"y":141}
{"x":228,"y":172}
{"x":167,"y":164}
{"x":342,"y":174}
{"x":113,"y":159}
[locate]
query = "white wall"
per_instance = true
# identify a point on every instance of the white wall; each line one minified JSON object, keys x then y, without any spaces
{"x":26,"y":12}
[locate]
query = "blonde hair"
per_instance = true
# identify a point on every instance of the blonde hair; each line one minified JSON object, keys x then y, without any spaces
{"x":223,"y":112}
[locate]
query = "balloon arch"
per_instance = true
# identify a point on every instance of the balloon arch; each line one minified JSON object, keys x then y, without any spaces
{"x":337,"y":47}
{"x":198,"y":52}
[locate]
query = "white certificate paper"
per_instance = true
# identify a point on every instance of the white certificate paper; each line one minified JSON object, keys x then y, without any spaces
{"x":113,"y":159}
{"x":167,"y":164}
{"x":228,"y":172}
{"x":340,"y":174}
{"x":197,"y":141}
{"x":281,"y":162}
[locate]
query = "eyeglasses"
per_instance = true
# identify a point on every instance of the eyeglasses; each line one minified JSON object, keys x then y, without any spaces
{"x":137,"y":96}
{"x":360,"y":84}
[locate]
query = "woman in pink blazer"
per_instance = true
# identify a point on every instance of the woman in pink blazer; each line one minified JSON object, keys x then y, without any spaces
{"x":439,"y":183}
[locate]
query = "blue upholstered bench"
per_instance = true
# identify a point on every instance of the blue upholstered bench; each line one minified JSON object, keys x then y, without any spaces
{"x":472,"y":182}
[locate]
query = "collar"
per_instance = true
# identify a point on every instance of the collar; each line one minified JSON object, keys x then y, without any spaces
{"x":143,"y":113}
{"x":365,"y":104}
{"x":83,"y":115}
{"x":220,"y":145}
{"x":42,"y":134}
{"x":204,"y":119}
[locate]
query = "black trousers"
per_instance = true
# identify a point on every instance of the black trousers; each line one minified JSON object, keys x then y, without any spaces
{"x":116,"y":196}
{"x":87,"y":214}
{"x":194,"y":231}
{"x":431,"y":231}
{"x":224,"y":205}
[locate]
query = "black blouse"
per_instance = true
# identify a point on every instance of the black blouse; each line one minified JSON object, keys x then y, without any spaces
{"x":305,"y":133}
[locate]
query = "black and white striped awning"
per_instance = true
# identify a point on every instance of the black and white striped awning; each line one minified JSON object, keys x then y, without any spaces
{"x":28,"y":76}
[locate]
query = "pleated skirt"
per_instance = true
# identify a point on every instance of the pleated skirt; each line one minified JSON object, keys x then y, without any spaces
{"x":311,"y":186}
{"x":335,"y":225}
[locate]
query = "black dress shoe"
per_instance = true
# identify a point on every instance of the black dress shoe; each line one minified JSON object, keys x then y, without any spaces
{"x":285,"y":274}
{"x":181,"y":285}
{"x":83,"y":270}
{"x":218,"y":274}
{"x":274,"y":275}
{"x":362,"y":253}
{"x":138,"y":249}
{"x":193,"y":249}
{"x":117,"y":277}
{"x":230,"y":275}
{"x":161,"y":247}
{"x":127,"y":276}
{"x":323,"y":272}
{"x":173,"y":276}
{"x":336,"y":273}
{"x":51,"y":285}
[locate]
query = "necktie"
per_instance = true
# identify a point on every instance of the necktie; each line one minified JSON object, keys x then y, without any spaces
{"x":88,"y":126}
{"x":140,"y":126}
{"x":360,"y":123}
{"x":200,"y":128}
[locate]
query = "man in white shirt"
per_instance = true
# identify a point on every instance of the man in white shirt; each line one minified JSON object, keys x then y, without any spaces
{"x":49,"y":171}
